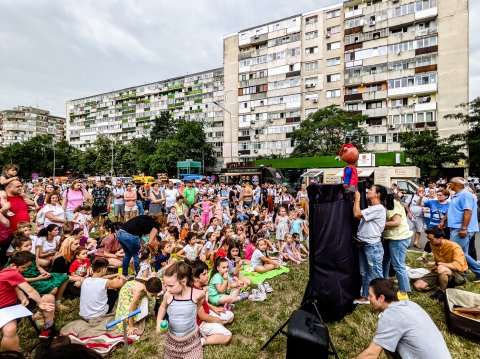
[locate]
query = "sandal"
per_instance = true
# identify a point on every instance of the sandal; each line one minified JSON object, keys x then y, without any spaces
{"x":417,"y":246}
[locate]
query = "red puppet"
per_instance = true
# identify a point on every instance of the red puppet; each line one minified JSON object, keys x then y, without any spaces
{"x":349,"y":154}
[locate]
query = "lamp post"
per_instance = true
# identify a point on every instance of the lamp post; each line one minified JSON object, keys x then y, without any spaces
{"x":230,"y":119}
{"x":111,"y":164}
{"x":54,"y":164}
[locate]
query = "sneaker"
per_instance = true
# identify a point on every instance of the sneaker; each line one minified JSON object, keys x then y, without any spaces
{"x":267,"y":287}
{"x":401,"y":296}
{"x":9,"y":214}
{"x":243,"y":296}
{"x":48,"y":333}
{"x":476,"y":279}
{"x":256,"y":296}
{"x":439,"y":295}
{"x":356,"y":301}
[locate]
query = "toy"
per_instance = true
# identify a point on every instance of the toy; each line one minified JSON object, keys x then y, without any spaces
{"x":164,"y":325}
{"x":349,"y":154}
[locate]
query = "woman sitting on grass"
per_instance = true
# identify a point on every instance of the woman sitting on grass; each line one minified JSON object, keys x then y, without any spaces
{"x":260,"y":261}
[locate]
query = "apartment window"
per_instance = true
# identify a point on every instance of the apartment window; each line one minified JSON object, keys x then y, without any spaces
{"x":426,"y":42}
{"x":311,"y":65}
{"x":424,"y":117}
{"x":333,"y":30}
{"x":333,"y":61}
{"x":333,"y":13}
{"x":333,"y":45}
{"x":333,"y":93}
{"x":333,"y":77}
{"x":311,"y":50}
{"x":311,"y":81}
{"x":374,"y":88}
{"x":311,"y":35}
{"x":352,"y":107}
{"x":311,"y":20}
{"x":378,"y":139}
{"x":399,"y":102}
{"x":399,"y":30}
{"x":373,"y":105}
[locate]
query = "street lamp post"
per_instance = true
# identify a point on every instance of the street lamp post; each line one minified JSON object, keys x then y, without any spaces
{"x":111,"y":164}
{"x":231,"y":137}
{"x":54,"y":164}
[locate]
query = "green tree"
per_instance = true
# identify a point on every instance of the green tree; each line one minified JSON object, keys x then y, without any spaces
{"x":325,"y":131}
{"x":164,"y":126}
{"x":429,"y":152}
{"x":470,"y":116}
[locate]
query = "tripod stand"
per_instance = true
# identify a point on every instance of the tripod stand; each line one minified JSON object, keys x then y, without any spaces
{"x":281,"y":330}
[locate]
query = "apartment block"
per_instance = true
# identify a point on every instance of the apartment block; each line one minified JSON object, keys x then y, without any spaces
{"x":22,"y":123}
{"x":129,"y":113}
{"x":402,"y":63}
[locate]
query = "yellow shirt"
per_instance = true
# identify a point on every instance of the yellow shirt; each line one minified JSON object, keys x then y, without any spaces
{"x":451,"y":252}
{"x":402,"y":231}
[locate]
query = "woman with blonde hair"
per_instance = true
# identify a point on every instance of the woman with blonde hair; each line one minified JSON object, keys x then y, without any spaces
{"x":62,"y":262}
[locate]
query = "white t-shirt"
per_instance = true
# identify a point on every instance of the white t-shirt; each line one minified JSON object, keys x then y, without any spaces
{"x":255,"y":260}
{"x":46,"y":245}
{"x":118,"y":192}
{"x":415,"y":209}
{"x":208,"y":246}
{"x":372,"y":224}
{"x":170,"y":197}
{"x":56,"y":210}
{"x":93,"y":298}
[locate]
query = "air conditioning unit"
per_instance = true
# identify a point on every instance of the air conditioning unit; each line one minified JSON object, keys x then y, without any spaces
{"x":313,"y":85}
{"x":327,"y":35}
{"x":256,"y":136}
{"x":252,"y":108}
{"x":255,"y":151}
{"x":252,"y":122}
{"x":372,"y":23}
{"x":256,"y":36}
{"x":315,"y":100}
{"x":391,"y":127}
{"x":307,"y":86}
{"x":271,"y":120}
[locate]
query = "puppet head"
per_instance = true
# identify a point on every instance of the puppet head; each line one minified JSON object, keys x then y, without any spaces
{"x":348,"y":153}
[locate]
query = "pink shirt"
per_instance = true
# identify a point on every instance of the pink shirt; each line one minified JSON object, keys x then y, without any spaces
{"x":249,"y":251}
{"x":74,"y":199}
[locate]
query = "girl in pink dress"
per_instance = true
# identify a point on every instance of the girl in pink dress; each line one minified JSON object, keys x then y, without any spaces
{"x":206,"y":207}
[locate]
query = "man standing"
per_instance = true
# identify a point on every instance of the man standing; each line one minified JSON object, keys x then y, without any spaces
{"x":18,"y":204}
{"x":462,"y":219}
{"x":415,"y":214}
{"x":404,"y":329}
{"x":101,"y":200}
{"x":449,"y":266}
{"x":171,"y":195}
{"x":189,"y":194}
{"x":119,"y":201}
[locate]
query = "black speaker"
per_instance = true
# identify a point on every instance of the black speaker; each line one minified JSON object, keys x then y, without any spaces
{"x":307,"y":336}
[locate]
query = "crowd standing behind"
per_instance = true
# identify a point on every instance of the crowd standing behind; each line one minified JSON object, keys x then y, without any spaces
{"x":178,"y":235}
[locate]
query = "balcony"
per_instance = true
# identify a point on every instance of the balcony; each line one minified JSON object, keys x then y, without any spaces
{"x":353,"y":80}
{"x":428,"y":106}
{"x":376,"y":95}
{"x":426,"y":50}
{"x":355,"y":46}
{"x":426,"y":14}
{"x":258,"y":39}
{"x":353,"y":13}
{"x":401,"y":110}
{"x":410,"y":90}
{"x":353,"y":97}
{"x":376,"y":112}
{"x":374,"y":78}
{"x":428,"y":68}
{"x":243,"y":152}
{"x":354,"y":30}
{"x":244,"y":138}
{"x":426,"y":32}
{"x":292,"y":74}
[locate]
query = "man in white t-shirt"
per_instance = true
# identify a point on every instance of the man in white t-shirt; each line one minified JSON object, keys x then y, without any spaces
{"x":415,"y":214}
{"x":171,"y":195}
{"x":99,"y":292}
{"x":118,"y":201}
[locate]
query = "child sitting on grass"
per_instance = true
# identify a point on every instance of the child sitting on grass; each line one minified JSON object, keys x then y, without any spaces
{"x":145,"y":270}
{"x":42,"y":281}
{"x":222,"y":291}
{"x":260,"y":261}
{"x":80,"y":266}
{"x":288,"y":250}
{"x":235,"y":262}
{"x":191,"y":249}
{"x":298,"y":245}
{"x":47,"y":245}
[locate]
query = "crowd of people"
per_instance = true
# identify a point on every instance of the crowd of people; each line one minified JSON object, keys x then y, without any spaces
{"x":191,"y":248}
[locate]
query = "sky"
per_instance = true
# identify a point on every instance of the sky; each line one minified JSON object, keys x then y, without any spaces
{"x":52,"y":51}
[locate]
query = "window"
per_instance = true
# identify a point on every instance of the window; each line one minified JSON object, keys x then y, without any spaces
{"x":373,"y":105}
{"x":311,"y":65}
{"x":311,"y":20}
{"x":333,"y":45}
{"x":311,"y":81}
{"x":333,"y":77}
{"x":333,"y":93}
{"x":399,"y":102}
{"x":311,"y":35}
{"x":333,"y":61}
{"x":333,"y":30}
{"x":311,"y":50}
{"x":352,"y":107}
{"x":333,"y":13}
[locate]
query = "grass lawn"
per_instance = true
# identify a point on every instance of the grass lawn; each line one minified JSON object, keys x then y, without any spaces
{"x":255,"y":322}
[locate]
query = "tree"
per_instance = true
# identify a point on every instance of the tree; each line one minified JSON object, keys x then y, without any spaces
{"x":325,"y":131}
{"x":164,"y":127}
{"x":470,"y":116}
{"x":429,"y":152}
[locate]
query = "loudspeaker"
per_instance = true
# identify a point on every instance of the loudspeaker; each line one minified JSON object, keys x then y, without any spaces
{"x":307,"y":336}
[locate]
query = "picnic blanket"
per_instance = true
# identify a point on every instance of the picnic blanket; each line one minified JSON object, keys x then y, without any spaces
{"x":258,"y":278}
{"x":94,"y":335}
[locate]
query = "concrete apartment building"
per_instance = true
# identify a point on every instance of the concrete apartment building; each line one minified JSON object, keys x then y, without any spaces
{"x":23,"y":123}
{"x":403,"y":63}
{"x":128,"y":113}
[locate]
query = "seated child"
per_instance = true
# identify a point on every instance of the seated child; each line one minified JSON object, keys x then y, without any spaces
{"x":222,"y":291}
{"x":163,"y":260}
{"x":42,"y":281}
{"x":208,"y":250}
{"x":80,"y":266}
{"x":47,"y":245}
{"x":23,"y":229}
{"x":210,"y":319}
{"x":288,"y":250}
{"x":235,"y":262}
{"x":130,"y":297}
{"x":191,"y":249}
{"x":145,"y":270}
{"x":14,"y":287}
{"x":298,"y":245}
{"x":260,"y":261}
{"x":250,"y":248}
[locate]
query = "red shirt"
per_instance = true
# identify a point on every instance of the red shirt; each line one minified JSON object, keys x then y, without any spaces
{"x":79,"y":268}
{"x":220,"y":253}
{"x":20,"y":209}
{"x":9,"y":280}
{"x":205,"y":308}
